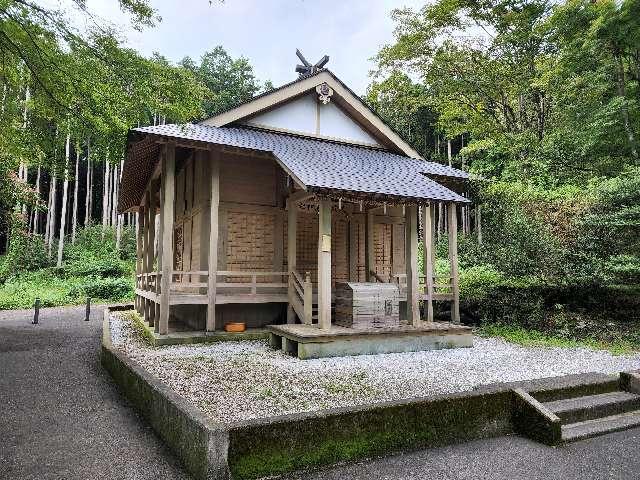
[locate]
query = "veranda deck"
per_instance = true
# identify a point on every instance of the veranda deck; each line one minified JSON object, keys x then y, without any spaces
{"x":309,"y":341}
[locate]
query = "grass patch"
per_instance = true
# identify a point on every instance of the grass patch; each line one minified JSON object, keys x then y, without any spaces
{"x":534,"y":338}
{"x":55,"y":290}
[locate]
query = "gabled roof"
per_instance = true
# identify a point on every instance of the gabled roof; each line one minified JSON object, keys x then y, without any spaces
{"x":343,"y":96}
{"x":316,"y":165}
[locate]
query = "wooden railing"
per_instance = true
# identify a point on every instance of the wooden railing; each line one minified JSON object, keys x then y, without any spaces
{"x":231,"y":286}
{"x":301,"y":296}
{"x":254,"y":286}
{"x":442,"y":285}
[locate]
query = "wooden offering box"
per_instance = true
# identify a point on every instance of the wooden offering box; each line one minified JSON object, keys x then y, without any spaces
{"x":366,"y":305}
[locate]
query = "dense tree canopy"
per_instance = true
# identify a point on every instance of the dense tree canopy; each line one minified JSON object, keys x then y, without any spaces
{"x":545,"y":96}
{"x":229,"y":81}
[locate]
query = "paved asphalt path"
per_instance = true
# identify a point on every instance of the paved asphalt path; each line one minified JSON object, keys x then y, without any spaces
{"x":62,"y":418}
{"x":614,"y":456}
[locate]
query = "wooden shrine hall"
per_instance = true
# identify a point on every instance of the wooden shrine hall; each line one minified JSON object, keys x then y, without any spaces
{"x":296,"y":213}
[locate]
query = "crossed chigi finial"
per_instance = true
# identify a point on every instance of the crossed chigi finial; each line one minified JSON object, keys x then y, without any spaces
{"x":306,"y":68}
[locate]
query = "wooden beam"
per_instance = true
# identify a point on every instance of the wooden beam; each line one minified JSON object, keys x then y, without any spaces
{"x":167,"y":217}
{"x":427,"y":227}
{"x":411,"y":261}
{"x":324,"y":264}
{"x":370,"y":259}
{"x":292,"y":233}
{"x":299,"y":196}
{"x":453,"y":261}
{"x":214,"y":209}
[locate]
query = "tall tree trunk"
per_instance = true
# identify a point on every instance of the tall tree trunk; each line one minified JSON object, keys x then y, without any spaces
{"x":65,"y":192}
{"x":119,"y":218}
{"x":105,"y":195}
{"x":23,"y":171}
{"x":52,"y":221}
{"x":620,"y":76}
{"x":36,"y":213}
{"x":114,"y":195}
{"x":449,"y":156}
{"x":47,"y":226}
{"x":74,"y":218}
{"x":87,"y":198}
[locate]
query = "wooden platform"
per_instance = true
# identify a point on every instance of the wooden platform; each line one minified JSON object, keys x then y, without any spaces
{"x":309,"y":341}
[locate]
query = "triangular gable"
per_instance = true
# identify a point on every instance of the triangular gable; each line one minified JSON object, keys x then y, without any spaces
{"x":294,"y":108}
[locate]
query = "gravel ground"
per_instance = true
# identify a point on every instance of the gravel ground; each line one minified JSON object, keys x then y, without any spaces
{"x":257,"y":381}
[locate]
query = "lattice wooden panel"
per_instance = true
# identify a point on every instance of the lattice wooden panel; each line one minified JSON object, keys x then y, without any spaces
{"x":339,"y":248}
{"x":383,"y":249}
{"x":250,"y":241}
{"x":307,"y":244}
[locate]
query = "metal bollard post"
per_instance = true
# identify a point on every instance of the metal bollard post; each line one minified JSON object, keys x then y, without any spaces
{"x":88,"y":311}
{"x":36,"y":313}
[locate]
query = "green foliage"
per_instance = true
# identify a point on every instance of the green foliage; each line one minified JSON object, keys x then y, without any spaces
{"x":229,"y":81}
{"x":26,"y":253}
{"x":112,"y":289}
{"x":22,"y":290}
{"x":93,"y":267}
{"x":534,"y":338}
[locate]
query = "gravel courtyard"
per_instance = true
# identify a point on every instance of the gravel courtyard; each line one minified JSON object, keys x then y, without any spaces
{"x":242,"y":380}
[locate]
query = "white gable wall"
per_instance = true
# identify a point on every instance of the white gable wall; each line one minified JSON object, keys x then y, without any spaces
{"x":308,"y":116}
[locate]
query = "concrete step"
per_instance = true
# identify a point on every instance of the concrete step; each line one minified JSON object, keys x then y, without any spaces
{"x":592,"y":428}
{"x":576,"y":386}
{"x":581,"y":409}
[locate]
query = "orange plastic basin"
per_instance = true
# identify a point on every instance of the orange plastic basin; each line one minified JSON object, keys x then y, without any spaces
{"x":235,"y":327}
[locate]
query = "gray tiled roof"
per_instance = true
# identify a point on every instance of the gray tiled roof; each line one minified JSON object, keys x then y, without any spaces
{"x":323,"y":165}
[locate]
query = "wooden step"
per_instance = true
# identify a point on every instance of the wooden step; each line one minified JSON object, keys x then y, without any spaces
{"x":581,"y":409}
{"x":600,"y":426}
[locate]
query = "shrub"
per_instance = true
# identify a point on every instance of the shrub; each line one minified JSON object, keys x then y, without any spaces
{"x":97,"y":267}
{"x":21,"y":291}
{"x":26,"y":252}
{"x":106,"y":288}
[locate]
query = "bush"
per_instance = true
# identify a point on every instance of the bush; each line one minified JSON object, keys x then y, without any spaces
{"x":22,"y":290}
{"x":97,"y":267}
{"x":106,"y":289}
{"x":26,"y":253}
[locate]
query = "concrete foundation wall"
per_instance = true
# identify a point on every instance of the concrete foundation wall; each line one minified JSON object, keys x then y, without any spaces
{"x":291,"y":442}
{"x":282,"y":444}
{"x":198,"y":442}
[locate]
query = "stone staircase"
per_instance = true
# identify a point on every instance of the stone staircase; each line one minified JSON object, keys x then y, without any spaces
{"x":603,"y":408}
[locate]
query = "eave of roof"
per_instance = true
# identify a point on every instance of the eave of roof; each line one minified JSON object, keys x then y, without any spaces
{"x":317,"y":165}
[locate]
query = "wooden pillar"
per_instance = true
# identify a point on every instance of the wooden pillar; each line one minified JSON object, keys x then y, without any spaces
{"x":427,"y":228}
{"x":214,"y":206}
{"x":411,"y":253}
{"x":292,"y":233}
{"x":166,"y":220}
{"x":453,"y":261}
{"x":353,"y":249}
{"x":324,"y":264}
{"x":140,"y":257}
{"x":370,"y":259}
{"x":150,"y":225}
